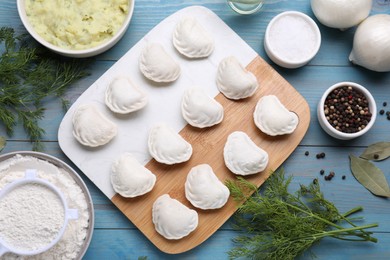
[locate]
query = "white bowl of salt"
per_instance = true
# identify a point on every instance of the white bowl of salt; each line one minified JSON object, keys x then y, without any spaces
{"x":292,"y":39}
{"x":34,"y":215}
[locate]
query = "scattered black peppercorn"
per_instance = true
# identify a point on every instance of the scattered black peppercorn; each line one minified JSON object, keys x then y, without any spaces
{"x":347,"y":110}
{"x":320,"y":155}
{"x":322,"y":172}
{"x":388,"y":117}
{"x":343,"y":177}
{"x":381,"y":112}
{"x":329,"y":176}
{"x":387,"y":113}
{"x":384,"y":104}
{"x":307,"y":153}
{"x":376,"y":156}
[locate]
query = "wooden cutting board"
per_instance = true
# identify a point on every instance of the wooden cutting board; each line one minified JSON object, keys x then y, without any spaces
{"x":207,"y":147}
{"x":207,"y":143}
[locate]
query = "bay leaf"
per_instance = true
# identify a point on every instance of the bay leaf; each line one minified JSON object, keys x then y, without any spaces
{"x":380,"y":149}
{"x":2,"y":143}
{"x":370,"y":176}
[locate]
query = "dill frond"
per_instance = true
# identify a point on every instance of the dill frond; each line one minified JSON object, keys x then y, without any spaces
{"x":28,"y":75}
{"x":277,"y":224}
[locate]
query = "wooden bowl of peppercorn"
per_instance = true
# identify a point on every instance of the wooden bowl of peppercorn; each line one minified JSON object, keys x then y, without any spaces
{"x":346,"y":110}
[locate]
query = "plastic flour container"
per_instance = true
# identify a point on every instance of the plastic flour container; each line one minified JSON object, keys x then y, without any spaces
{"x":24,"y":192}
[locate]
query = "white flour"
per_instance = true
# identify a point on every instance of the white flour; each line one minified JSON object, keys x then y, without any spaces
{"x":75,"y":234}
{"x":32,"y":216}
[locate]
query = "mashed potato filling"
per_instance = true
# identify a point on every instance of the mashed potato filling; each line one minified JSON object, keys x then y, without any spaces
{"x":76,"y":24}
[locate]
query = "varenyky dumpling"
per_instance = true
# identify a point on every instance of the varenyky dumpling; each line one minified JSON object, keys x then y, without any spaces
{"x":273,"y":118}
{"x":92,"y":128}
{"x":172,"y":219}
{"x":234,"y":81}
{"x":123,"y":97}
{"x":199,"y":109}
{"x":203,"y":188}
{"x":157,"y":65}
{"x":191,"y":39}
{"x":129,"y":178}
{"x":167,"y":146}
{"x":242,"y":156}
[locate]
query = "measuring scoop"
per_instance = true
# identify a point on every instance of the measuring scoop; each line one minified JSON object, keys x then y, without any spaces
{"x":31,"y":178}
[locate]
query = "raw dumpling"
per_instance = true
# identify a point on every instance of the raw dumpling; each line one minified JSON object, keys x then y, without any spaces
{"x":191,"y":39}
{"x":167,"y":146}
{"x":203,"y":188}
{"x":172,"y":219}
{"x":242,"y":156}
{"x":130,"y":178}
{"x":234,"y":81}
{"x":272,"y":118}
{"x":157,"y":65}
{"x":92,"y":128}
{"x":200,"y":110}
{"x":123,"y":97}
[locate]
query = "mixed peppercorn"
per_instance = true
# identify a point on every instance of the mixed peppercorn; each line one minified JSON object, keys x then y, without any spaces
{"x":347,"y":109}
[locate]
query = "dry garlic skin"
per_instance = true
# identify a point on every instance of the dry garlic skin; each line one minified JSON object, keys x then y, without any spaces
{"x":92,"y":128}
{"x":234,"y":81}
{"x":157,"y":65}
{"x":172,"y":219}
{"x":242,"y":156}
{"x":167,"y":146}
{"x":129,"y":178}
{"x":199,"y":109}
{"x":123,"y":97}
{"x":203,"y":188}
{"x":273,"y":118}
{"x":191,"y":39}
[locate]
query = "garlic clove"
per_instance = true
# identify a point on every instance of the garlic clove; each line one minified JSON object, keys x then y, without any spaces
{"x":371,"y":44}
{"x":341,"y":14}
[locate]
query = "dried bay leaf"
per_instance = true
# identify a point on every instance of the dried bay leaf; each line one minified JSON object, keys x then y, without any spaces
{"x":2,"y":143}
{"x":377,"y":151}
{"x":370,"y":176}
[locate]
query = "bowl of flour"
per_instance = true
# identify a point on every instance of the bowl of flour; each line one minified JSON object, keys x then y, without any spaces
{"x":77,"y":234}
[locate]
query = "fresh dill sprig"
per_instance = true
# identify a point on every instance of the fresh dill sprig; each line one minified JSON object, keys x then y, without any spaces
{"x":28,"y":75}
{"x":280,"y":225}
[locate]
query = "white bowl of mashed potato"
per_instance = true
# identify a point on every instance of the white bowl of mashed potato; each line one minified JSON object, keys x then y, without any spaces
{"x":76,"y":28}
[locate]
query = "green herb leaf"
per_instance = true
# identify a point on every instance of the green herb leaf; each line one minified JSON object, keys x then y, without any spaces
{"x":28,"y":75}
{"x":2,"y":143}
{"x":370,"y":176}
{"x":277,"y":224}
{"x":377,"y":152}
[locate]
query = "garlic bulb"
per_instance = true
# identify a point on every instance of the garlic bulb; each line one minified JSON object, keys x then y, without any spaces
{"x":371,"y":43}
{"x":341,"y":14}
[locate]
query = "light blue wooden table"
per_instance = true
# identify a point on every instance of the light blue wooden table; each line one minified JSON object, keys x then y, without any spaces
{"x":115,"y":237}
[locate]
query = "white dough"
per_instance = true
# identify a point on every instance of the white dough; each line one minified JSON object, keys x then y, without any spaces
{"x":191,"y":39}
{"x":123,"y":97}
{"x":199,"y":109}
{"x":172,"y":219}
{"x":203,"y":188}
{"x":234,"y":81}
{"x":130,"y":178}
{"x":242,"y":156}
{"x":92,"y":128}
{"x":273,"y":118}
{"x":157,"y":65}
{"x":167,"y":146}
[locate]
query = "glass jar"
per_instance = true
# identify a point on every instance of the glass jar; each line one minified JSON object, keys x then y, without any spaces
{"x":246,"y":6}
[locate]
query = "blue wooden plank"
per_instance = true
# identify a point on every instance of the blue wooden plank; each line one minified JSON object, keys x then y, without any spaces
{"x":115,"y":237}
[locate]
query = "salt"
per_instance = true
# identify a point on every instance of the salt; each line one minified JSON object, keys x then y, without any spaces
{"x":292,"y":38}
